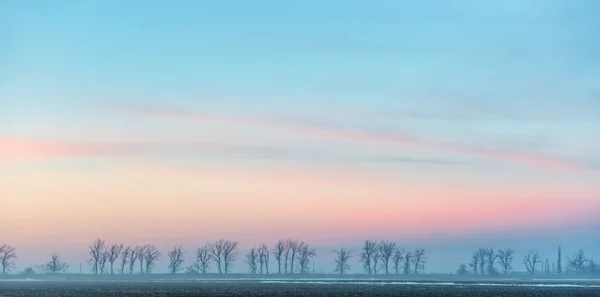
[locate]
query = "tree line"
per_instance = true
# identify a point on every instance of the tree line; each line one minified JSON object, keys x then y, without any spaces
{"x":295,"y":256}
{"x":496,"y":262}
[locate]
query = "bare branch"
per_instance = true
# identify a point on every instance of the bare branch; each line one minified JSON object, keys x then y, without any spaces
{"x":263,"y":258}
{"x":151,"y":255}
{"x":531,"y":260}
{"x":8,"y":254}
{"x":341,"y":261}
{"x":386,"y":251}
{"x":175,"y":259}
{"x":252,"y":259}
{"x":368,"y":255}
{"x":96,"y":250}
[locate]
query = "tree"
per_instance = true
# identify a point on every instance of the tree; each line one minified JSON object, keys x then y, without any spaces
{"x":419,"y":260}
{"x":397,"y":258}
{"x":531,"y":260}
{"x":491,"y":257}
{"x":151,"y":255}
{"x":505,"y":257}
{"x":114,"y":252}
{"x":102,"y":262}
{"x":475,"y":259}
{"x":278,"y":251}
{"x":54,"y":266}
{"x":252,"y":259}
{"x":202,"y":262}
{"x":367,"y":255}
{"x":577,"y":261}
{"x":8,"y":254}
{"x":124,"y":259}
{"x":28,"y":271}
{"x":408,"y":256}
{"x":224,"y":253}
{"x":547,"y":266}
{"x":295,"y":245}
{"x":133,"y":256}
{"x":559,"y":261}
{"x":286,"y":254}
{"x":175,"y":259}
{"x":96,"y":250}
{"x":462,"y":270}
{"x":305,"y":254}
{"x":263,"y":258}
{"x":341,"y":261}
{"x":141,"y":256}
{"x":386,"y":251}
{"x":482,"y":256}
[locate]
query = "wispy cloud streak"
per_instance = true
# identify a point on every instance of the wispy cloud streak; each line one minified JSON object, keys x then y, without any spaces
{"x":322,"y":128}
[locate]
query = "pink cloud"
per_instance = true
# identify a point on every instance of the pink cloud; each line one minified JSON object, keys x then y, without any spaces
{"x":319,"y":128}
{"x":18,"y":148}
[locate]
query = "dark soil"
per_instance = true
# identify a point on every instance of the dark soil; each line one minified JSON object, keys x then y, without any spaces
{"x":82,"y":289}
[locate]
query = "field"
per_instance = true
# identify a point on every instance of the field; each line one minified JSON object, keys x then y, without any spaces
{"x":287,"y":288}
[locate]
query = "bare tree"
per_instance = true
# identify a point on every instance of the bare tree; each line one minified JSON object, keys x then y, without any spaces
{"x":133,"y":256}
{"x":8,"y":254}
{"x":151,"y":255}
{"x":559,"y":261}
{"x":175,"y":259}
{"x":408,"y":256}
{"x":462,"y":270}
{"x":263,"y":258}
{"x":341,"y":261}
{"x":475,"y":258}
{"x":367,"y":255}
{"x":141,"y":256}
{"x":375,"y":260}
{"x":124,"y":259}
{"x":386,"y":251}
{"x":577,"y":261}
{"x":531,"y":260}
{"x":397,"y":258}
{"x":114,"y":252}
{"x":491,"y":257}
{"x":505,"y":256}
{"x":54,"y":266}
{"x":295,"y":246}
{"x":96,"y":250}
{"x":102,"y":262}
{"x":419,"y":260}
{"x":305,"y":254}
{"x":278,"y":251}
{"x":547,"y":266}
{"x":224,"y":253}
{"x":482,"y":256}
{"x":252,"y":259}
{"x":286,"y":255}
{"x":202,"y":262}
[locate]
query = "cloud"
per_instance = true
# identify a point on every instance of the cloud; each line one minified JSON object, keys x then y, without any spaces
{"x":321,"y":128}
{"x":32,"y":149}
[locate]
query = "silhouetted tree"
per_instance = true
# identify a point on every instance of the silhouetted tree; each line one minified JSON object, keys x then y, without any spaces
{"x":397,"y":259}
{"x":202,"y":262}
{"x":419,"y":260}
{"x":559,"y":261}
{"x":224,"y":253}
{"x":54,"y":266}
{"x":114,"y":252}
{"x":252,"y":259}
{"x":175,"y":259}
{"x":103,"y":261}
{"x":151,"y":255}
{"x":263,"y":258}
{"x":408,"y":256}
{"x":133,"y":257}
{"x":278,"y":251}
{"x":341,"y":260}
{"x":286,"y":253}
{"x":531,"y":260}
{"x":8,"y":254}
{"x":547,"y":266}
{"x":96,"y":250}
{"x":475,"y":259}
{"x":367,"y":255}
{"x":28,"y":271}
{"x":124,"y":259}
{"x":491,"y":257}
{"x":305,"y":254}
{"x":577,"y":261}
{"x":482,"y":257}
{"x":295,"y":246}
{"x":505,"y":257}
{"x":375,"y":260}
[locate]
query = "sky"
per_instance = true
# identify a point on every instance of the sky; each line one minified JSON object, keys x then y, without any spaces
{"x":449,"y":125}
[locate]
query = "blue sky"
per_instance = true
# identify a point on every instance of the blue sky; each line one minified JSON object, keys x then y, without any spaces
{"x":503,"y":95}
